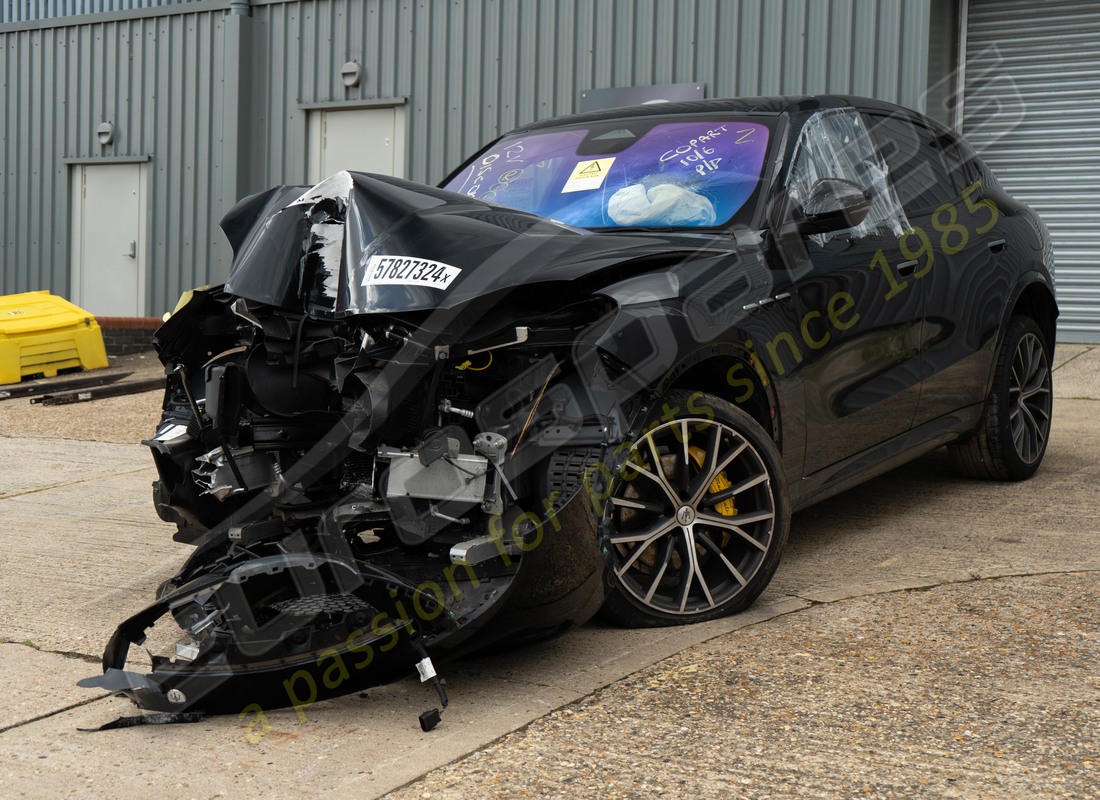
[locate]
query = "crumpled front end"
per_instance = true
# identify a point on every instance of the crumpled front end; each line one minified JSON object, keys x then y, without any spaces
{"x":380,"y":455}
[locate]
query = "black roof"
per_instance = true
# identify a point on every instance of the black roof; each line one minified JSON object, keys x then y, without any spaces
{"x":772,"y":106}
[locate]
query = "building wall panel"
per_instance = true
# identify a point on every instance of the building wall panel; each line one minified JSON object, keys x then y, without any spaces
{"x":472,"y":69}
{"x":467,"y":70}
{"x":155,"y":78}
{"x":13,"y":11}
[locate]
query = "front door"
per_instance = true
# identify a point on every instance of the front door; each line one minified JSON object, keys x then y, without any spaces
{"x":108,"y":264}
{"x":861,"y":330}
{"x":861,"y":319}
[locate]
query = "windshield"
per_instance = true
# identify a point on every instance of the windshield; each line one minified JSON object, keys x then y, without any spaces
{"x":625,"y":173}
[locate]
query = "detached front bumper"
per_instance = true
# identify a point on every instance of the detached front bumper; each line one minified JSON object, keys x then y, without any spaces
{"x":275,"y":659}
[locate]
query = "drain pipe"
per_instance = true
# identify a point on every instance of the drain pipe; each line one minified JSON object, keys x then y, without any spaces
{"x":240,"y":8}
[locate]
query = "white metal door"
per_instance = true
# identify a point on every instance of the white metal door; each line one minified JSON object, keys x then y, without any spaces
{"x":108,"y":265}
{"x":360,"y":139}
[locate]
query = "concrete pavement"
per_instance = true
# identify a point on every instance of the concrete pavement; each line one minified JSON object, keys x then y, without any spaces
{"x":903,"y":556}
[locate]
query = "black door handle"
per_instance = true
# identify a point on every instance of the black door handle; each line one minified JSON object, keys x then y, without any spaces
{"x":996,"y":246}
{"x":907,"y":268}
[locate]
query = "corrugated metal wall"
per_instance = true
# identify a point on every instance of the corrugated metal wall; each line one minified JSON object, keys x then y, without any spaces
{"x":475,"y":68}
{"x":1032,"y":109}
{"x":26,"y":10}
{"x":470,"y":69}
{"x":158,"y":80}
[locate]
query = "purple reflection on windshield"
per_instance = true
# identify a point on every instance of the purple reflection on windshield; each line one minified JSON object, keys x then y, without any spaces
{"x":683,"y":174}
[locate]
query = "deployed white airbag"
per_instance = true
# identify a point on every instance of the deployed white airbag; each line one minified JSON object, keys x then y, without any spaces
{"x":663,"y":204}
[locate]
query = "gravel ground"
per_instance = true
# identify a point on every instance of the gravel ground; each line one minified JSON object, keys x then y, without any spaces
{"x":980,"y":690}
{"x":125,"y":419}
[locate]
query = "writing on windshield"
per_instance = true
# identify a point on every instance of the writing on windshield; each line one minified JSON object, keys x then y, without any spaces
{"x":625,"y":174}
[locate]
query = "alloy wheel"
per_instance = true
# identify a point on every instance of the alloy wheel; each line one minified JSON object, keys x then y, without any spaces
{"x":1029,"y":399}
{"x":693,"y":515}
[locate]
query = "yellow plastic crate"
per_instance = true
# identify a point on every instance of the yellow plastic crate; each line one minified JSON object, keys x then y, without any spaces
{"x":41,"y":334}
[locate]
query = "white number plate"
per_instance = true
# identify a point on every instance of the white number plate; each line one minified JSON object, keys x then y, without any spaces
{"x":402,"y":271}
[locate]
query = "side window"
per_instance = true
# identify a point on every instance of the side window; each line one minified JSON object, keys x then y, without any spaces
{"x":962,"y":164}
{"x":916,"y":164}
{"x":835,"y":143}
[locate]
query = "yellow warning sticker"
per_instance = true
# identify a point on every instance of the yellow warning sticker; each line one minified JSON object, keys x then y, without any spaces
{"x":588,"y":175}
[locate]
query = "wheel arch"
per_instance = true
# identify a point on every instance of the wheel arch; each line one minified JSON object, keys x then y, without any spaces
{"x":1031,"y":297}
{"x":734,"y":374}
{"x":1034,"y":299}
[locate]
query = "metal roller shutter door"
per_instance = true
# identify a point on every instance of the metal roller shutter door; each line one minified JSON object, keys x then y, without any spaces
{"x":1032,"y":110}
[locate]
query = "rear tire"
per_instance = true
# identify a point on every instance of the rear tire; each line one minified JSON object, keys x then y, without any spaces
{"x":1012,"y":437}
{"x":698,"y":515}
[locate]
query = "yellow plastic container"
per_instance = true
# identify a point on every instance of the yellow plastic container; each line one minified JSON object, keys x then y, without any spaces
{"x":41,"y":334}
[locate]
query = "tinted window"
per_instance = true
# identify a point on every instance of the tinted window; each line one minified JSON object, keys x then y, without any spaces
{"x":641,"y":172}
{"x":915,"y":162}
{"x":961,"y":162}
{"x":835,"y":143}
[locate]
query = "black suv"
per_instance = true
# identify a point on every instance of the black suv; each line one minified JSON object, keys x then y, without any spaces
{"x":597,"y":369}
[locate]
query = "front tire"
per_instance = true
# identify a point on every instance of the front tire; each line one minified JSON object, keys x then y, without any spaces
{"x":1012,"y":438}
{"x":697,"y":515}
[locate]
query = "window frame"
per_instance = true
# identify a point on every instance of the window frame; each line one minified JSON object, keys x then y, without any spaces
{"x":928,"y":141}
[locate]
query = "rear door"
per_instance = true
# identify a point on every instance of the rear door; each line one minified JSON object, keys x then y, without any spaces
{"x":953,"y":227}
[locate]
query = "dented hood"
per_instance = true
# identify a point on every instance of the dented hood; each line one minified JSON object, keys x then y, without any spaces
{"x":358,"y":243}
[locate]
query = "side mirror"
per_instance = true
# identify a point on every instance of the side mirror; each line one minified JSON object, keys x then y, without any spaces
{"x":833,"y":205}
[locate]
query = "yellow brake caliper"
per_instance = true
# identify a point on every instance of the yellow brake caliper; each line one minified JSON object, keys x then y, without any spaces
{"x":726,"y":508}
